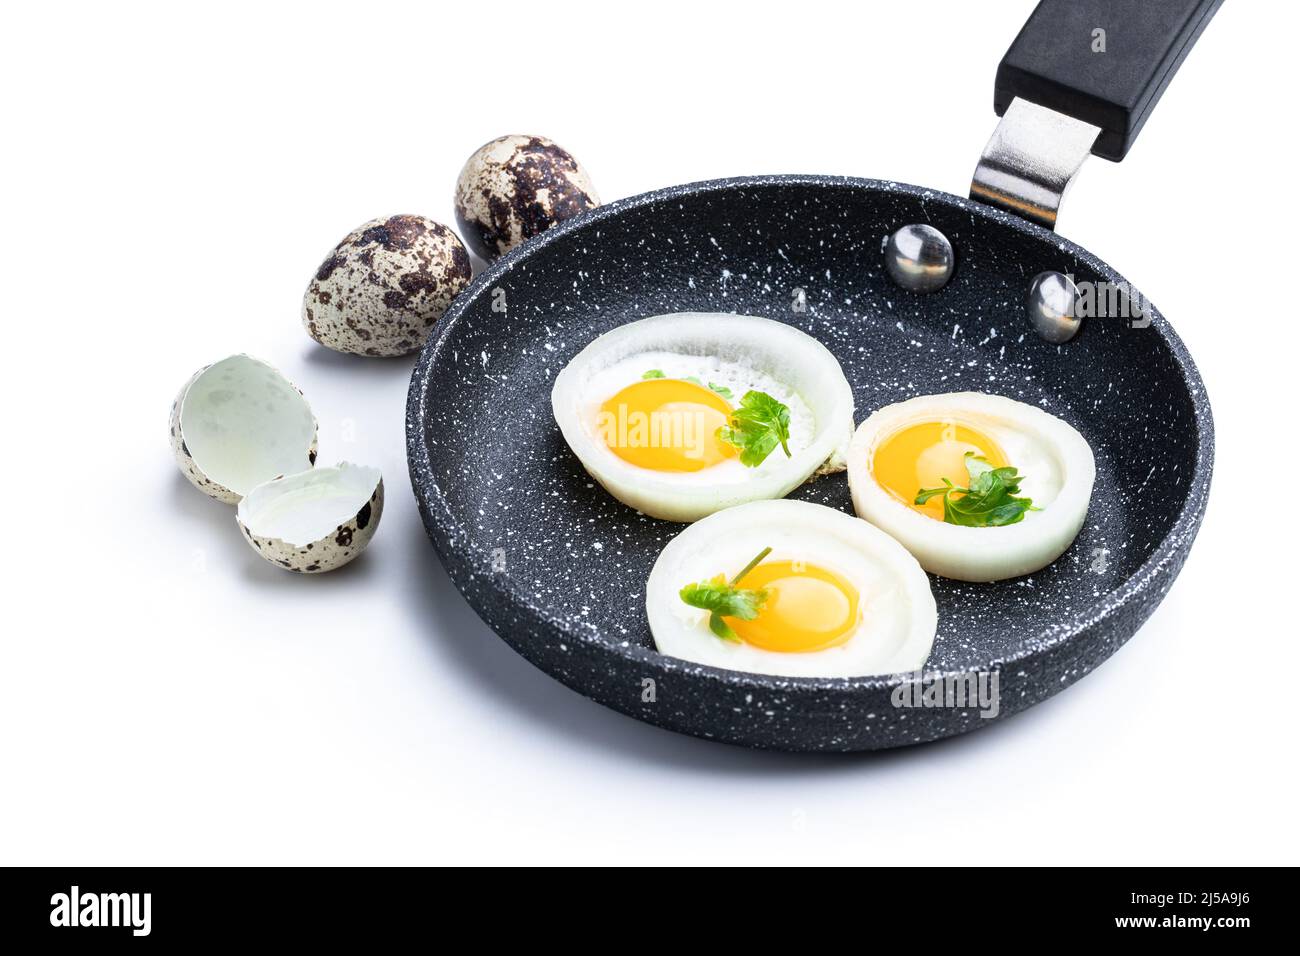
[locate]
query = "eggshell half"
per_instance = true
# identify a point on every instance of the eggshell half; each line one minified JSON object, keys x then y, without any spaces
{"x":237,"y":423}
{"x":314,"y":521}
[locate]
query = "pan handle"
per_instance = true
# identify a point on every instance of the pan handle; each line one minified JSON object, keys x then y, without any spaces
{"x":1081,"y":78}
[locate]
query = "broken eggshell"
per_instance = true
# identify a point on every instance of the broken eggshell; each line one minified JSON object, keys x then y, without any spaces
{"x":237,"y":423}
{"x":516,"y":187}
{"x":382,"y":288}
{"x":314,"y":521}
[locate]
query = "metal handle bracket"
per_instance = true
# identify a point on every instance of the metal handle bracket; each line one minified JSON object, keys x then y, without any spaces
{"x":1030,"y":161}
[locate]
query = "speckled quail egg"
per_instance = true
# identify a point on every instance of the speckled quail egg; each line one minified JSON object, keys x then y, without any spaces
{"x":382,"y":288}
{"x":237,"y":423}
{"x":516,"y":187}
{"x":791,"y":588}
{"x":316,"y":520}
{"x":978,"y":487}
{"x":655,"y":411}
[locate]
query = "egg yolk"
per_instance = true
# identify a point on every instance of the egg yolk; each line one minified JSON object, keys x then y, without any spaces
{"x":666,"y":424}
{"x":808,"y":608}
{"x":923,"y":455}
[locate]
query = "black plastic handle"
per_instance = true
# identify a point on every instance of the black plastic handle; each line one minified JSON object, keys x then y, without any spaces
{"x":1105,"y":62}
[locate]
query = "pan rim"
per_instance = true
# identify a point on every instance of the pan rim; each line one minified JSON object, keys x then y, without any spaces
{"x":445,"y":531}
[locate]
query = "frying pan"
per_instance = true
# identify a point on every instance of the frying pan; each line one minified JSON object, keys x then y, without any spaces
{"x":557,"y":567}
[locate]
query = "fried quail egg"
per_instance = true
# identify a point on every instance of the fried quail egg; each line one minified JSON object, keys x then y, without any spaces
{"x":839,"y":597}
{"x":924,"y":442}
{"x":237,"y":423}
{"x":642,"y":405}
{"x":313,"y":521}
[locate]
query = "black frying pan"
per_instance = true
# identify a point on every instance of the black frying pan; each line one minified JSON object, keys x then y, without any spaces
{"x":557,"y":567}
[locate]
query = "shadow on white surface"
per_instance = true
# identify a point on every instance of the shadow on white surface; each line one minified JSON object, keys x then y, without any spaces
{"x":516,"y":686}
{"x":217,"y":529}
{"x":213,"y":525}
{"x":367,"y":366}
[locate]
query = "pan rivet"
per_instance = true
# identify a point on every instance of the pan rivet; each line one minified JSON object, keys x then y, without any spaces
{"x":919,"y":258}
{"x":1050,"y":304}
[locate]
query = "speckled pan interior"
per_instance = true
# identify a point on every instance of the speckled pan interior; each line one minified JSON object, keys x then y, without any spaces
{"x":557,"y":567}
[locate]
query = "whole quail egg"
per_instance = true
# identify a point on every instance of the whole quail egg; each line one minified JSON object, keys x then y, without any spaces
{"x":382,"y":288}
{"x":316,"y":520}
{"x":516,"y":187}
{"x":237,"y":423}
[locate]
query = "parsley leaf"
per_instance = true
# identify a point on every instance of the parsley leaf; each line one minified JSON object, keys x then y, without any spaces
{"x":989,"y":501}
{"x":723,"y":599}
{"x":757,"y":427}
{"x":720,"y":389}
{"x":654,"y":373}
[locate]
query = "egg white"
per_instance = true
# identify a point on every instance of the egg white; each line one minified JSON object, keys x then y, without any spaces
{"x":1056,"y":463}
{"x":735,"y":351}
{"x":897,"y":627}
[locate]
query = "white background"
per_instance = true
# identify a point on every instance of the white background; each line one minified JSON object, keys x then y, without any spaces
{"x":172,"y":177}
